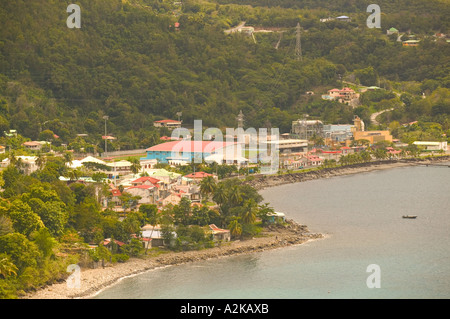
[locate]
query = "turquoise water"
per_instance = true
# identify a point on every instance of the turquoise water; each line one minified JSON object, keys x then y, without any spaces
{"x":362,"y":218}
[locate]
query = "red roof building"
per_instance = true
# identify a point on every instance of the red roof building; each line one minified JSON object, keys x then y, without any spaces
{"x":167,"y":123}
{"x":146,"y":180}
{"x":198,"y":175}
{"x":116,"y":192}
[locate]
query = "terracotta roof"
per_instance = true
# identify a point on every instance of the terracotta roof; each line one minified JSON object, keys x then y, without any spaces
{"x":116,"y":192}
{"x":145,"y":179}
{"x":198,"y":175}
{"x":142,"y":186}
{"x":107,"y":137}
{"x":216,"y":229}
{"x":108,"y":240}
{"x":32,"y":143}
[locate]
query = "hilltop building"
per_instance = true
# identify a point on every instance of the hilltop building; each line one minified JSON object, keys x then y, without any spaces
{"x":392,"y":31}
{"x":345,"y":95}
{"x":28,"y":163}
{"x":410,"y":43}
{"x":171,"y":124}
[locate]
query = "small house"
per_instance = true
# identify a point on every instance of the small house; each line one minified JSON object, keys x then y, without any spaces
{"x":153,"y":235}
{"x":392,"y":31}
{"x":276,"y":217}
{"x":219,"y":234}
{"x":344,"y":19}
{"x":33,"y":145}
{"x":109,"y":243}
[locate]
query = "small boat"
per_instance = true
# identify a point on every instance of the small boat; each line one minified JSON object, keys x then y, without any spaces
{"x":409,"y":216}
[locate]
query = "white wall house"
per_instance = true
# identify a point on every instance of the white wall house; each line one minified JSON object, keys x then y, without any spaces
{"x":432,"y":146}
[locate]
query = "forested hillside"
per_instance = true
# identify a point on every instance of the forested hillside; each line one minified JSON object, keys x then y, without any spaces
{"x":130,"y":62}
{"x":137,"y":61}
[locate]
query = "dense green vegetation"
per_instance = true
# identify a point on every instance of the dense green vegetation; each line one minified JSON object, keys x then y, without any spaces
{"x":129,"y":62}
{"x":46,"y":224}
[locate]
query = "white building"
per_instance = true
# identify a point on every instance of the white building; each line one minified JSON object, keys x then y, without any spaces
{"x":432,"y":146}
{"x":27,"y":164}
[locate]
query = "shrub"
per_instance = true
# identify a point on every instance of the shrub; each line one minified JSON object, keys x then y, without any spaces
{"x":120,"y":258}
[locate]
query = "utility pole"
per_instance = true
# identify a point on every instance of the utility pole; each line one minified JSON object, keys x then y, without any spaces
{"x":240,"y":119}
{"x":298,"y":47}
{"x":106,"y":117}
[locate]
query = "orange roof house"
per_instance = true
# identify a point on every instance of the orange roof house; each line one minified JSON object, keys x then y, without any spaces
{"x":198,"y":176}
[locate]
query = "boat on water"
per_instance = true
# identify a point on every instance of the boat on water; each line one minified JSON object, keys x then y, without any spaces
{"x":409,"y":216}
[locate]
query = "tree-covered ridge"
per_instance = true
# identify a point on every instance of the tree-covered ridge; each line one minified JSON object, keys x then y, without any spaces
{"x":128,"y":61}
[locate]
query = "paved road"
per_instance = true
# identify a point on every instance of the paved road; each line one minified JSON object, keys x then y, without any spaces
{"x":373,"y":117}
{"x":236,"y":28}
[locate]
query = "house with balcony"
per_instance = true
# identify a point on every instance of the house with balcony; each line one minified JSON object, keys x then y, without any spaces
{"x":345,"y":95}
{"x":171,"y":124}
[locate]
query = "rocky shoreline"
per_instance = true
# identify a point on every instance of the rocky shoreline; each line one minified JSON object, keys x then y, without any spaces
{"x":94,"y":280}
{"x":261,"y":182}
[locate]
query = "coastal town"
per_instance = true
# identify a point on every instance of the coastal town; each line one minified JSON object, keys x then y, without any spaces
{"x":140,"y":134}
{"x":170,"y":171}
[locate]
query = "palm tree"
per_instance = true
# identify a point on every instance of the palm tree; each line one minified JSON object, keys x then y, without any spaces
{"x":380,"y":153}
{"x":135,"y":165}
{"x":207,"y":185}
{"x":235,"y":195}
{"x":249,"y":212}
{"x":73,"y":174}
{"x":365,"y":156}
{"x":343,"y":160}
{"x":40,"y":160}
{"x":68,"y":157}
{"x":12,"y":158}
{"x":235,"y":227}
{"x":7,"y":267}
{"x":220,"y":195}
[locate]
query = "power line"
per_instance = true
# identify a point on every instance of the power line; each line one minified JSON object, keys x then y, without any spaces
{"x":298,"y":47}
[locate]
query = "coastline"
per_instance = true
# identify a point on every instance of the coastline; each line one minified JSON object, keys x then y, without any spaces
{"x":262,"y":182}
{"x":95,"y":280}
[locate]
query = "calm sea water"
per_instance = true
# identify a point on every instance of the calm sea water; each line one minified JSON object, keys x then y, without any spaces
{"x":362,"y":217}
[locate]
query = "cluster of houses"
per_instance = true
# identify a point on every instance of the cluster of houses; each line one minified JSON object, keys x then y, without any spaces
{"x":411,"y":40}
{"x":345,"y":96}
{"x":150,"y":186}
